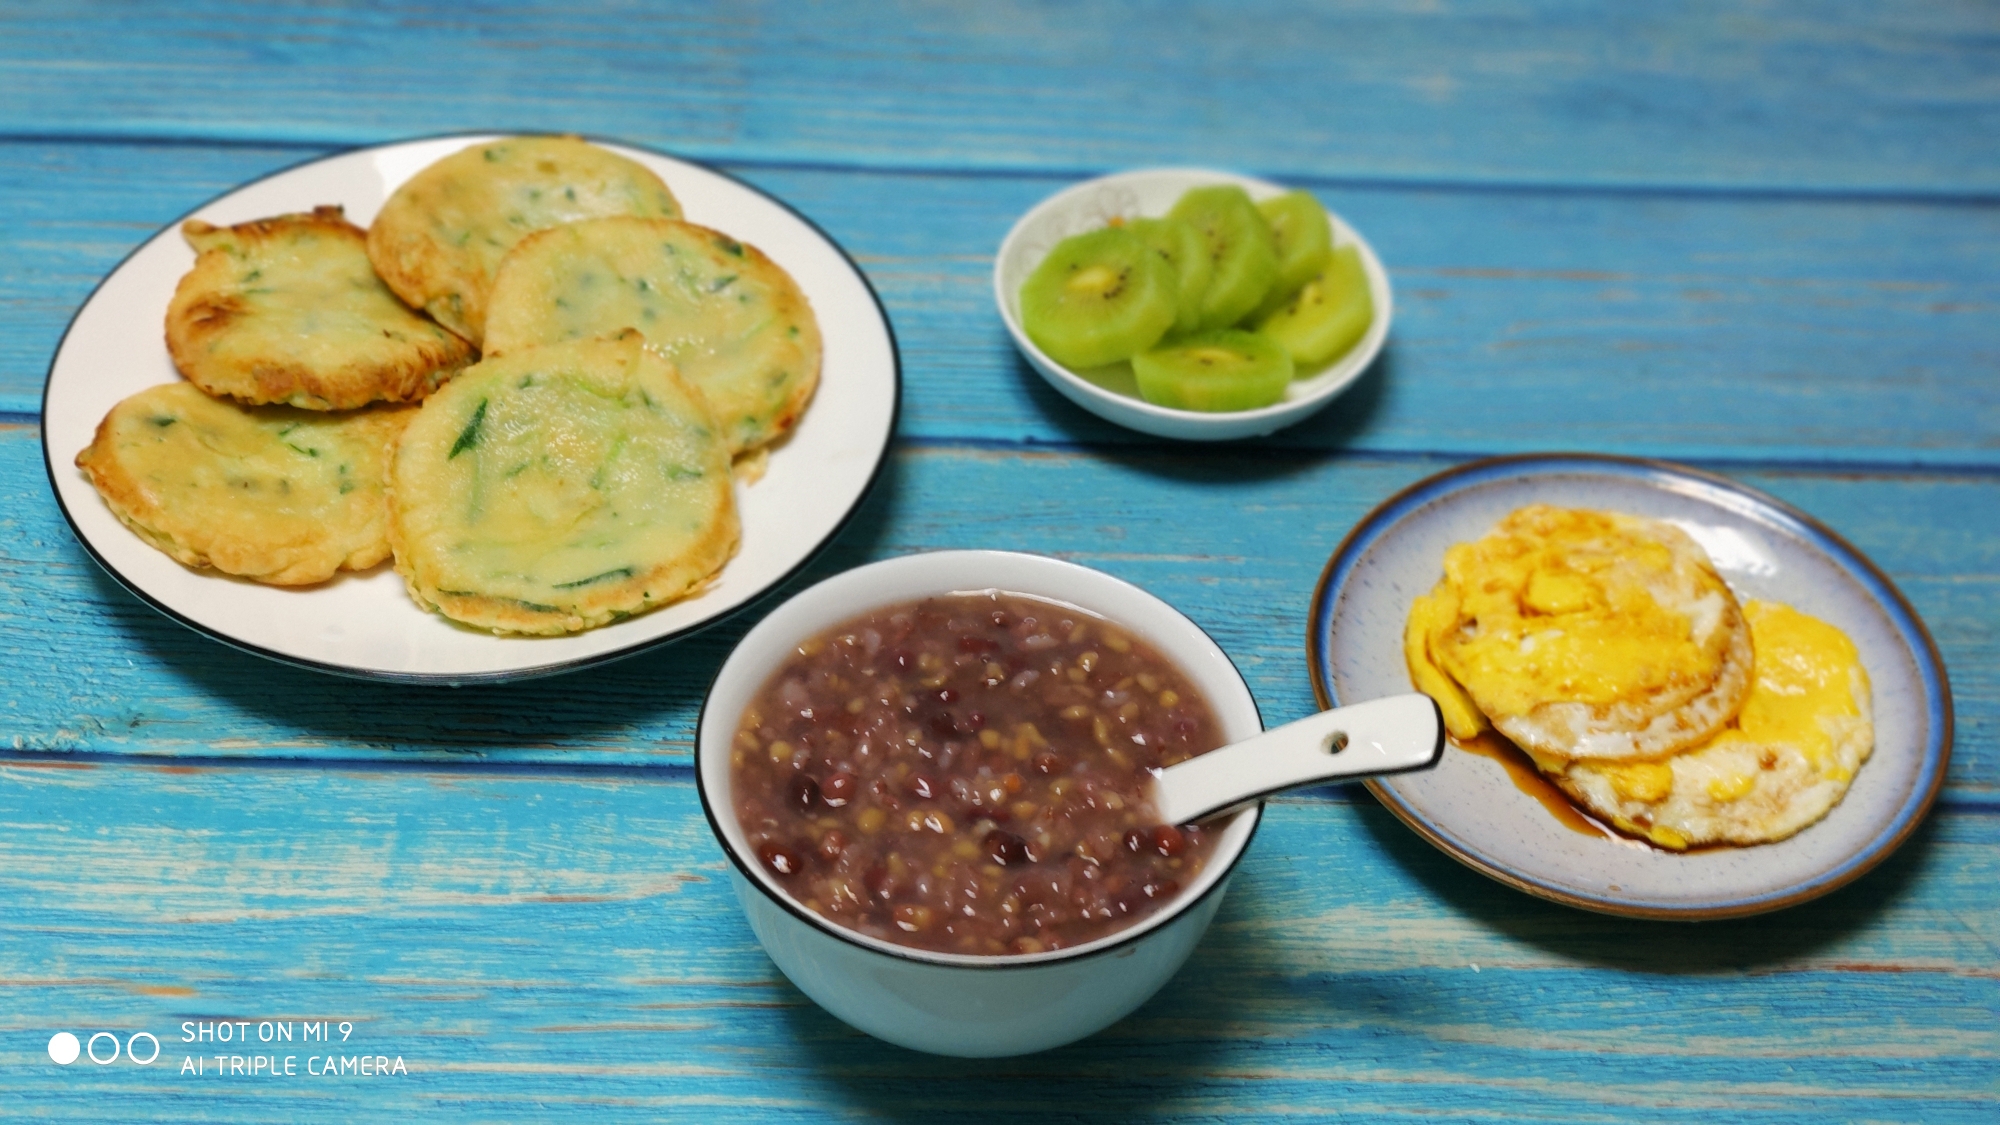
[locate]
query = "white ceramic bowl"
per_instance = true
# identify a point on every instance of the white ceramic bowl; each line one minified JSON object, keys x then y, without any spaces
{"x":949,"y":1003}
{"x":1111,"y":392}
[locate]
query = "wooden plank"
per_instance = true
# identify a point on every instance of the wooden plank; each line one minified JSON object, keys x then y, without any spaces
{"x":69,"y":214}
{"x":1689,"y":328}
{"x":1235,"y":538}
{"x":547,"y":947}
{"x":1846,"y":96}
{"x":1756,"y":236}
{"x":1681,"y":327}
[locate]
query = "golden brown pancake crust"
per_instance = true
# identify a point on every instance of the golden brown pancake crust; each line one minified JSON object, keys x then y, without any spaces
{"x":288,"y":310}
{"x":440,"y":237}
{"x":272,"y":493}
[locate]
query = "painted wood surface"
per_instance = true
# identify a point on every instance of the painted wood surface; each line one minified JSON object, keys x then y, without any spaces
{"x":1758,"y":237}
{"x":1790,"y":96}
{"x":544,"y":946}
{"x":125,"y":679}
{"x":1688,"y":327}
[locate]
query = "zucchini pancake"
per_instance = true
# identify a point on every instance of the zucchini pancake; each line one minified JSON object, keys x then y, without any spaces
{"x":734,"y":323}
{"x":557,"y":488}
{"x":288,"y":309}
{"x":273,"y":493}
{"x":440,"y":237}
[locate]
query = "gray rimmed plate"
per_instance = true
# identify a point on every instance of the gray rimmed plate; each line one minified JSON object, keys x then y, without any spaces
{"x":1470,"y":807}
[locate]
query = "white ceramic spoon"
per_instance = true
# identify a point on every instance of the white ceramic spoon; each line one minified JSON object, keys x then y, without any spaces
{"x":1393,"y":735}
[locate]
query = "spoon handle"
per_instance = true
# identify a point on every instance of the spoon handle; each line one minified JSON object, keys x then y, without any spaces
{"x":1393,"y":735}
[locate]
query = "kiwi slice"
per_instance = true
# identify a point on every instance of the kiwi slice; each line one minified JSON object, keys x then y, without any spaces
{"x":1217,"y":370}
{"x":1099,"y":298}
{"x":1304,"y":239}
{"x":1182,"y":247}
{"x":1244,"y":259}
{"x":1327,"y":315}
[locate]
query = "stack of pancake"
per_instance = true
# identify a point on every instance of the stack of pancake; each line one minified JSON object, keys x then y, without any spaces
{"x":1608,"y":649}
{"x":590,"y":369}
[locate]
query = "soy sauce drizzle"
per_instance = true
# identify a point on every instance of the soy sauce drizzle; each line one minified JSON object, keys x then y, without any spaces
{"x":1521,"y":770}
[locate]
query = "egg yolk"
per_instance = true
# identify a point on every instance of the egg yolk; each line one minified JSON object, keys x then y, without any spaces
{"x":1432,"y":614}
{"x":1808,"y":674}
{"x":1564,"y":606}
{"x":1804,"y":674}
{"x":1641,"y":781}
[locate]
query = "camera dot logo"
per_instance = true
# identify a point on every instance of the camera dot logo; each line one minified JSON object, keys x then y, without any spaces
{"x":64,"y":1048}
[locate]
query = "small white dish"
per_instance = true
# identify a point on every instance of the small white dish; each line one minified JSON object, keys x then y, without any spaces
{"x":365,"y":624}
{"x":1111,"y":392}
{"x":950,"y":1003}
{"x":1470,"y":808}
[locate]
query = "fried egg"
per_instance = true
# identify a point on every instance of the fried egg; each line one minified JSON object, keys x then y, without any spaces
{"x":1779,"y":766}
{"x":1582,"y":635}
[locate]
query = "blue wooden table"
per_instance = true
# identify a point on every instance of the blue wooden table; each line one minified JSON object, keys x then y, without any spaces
{"x":1761,"y":238}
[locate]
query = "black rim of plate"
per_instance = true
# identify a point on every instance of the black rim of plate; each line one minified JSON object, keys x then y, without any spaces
{"x":1734,"y":496}
{"x":539,"y":670}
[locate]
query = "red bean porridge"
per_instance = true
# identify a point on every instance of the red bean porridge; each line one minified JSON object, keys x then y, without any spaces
{"x":967,"y":774}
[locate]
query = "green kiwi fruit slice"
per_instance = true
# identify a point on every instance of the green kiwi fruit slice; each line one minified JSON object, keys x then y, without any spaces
{"x":1182,"y":247}
{"x":1217,"y":370}
{"x":1304,"y":239}
{"x":1245,"y":261}
{"x":1327,"y":316}
{"x":1098,"y":298}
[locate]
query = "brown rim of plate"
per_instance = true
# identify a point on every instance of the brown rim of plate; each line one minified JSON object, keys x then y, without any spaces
{"x":1912,"y":812}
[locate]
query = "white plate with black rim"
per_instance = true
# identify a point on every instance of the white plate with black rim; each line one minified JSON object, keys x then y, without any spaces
{"x":365,"y":624}
{"x":1471,"y":808}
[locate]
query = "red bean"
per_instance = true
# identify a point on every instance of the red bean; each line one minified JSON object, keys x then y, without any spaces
{"x":1006,"y":848}
{"x":838,"y":789}
{"x":805,"y":793}
{"x":876,"y":881}
{"x":921,"y":786}
{"x":781,"y":859}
